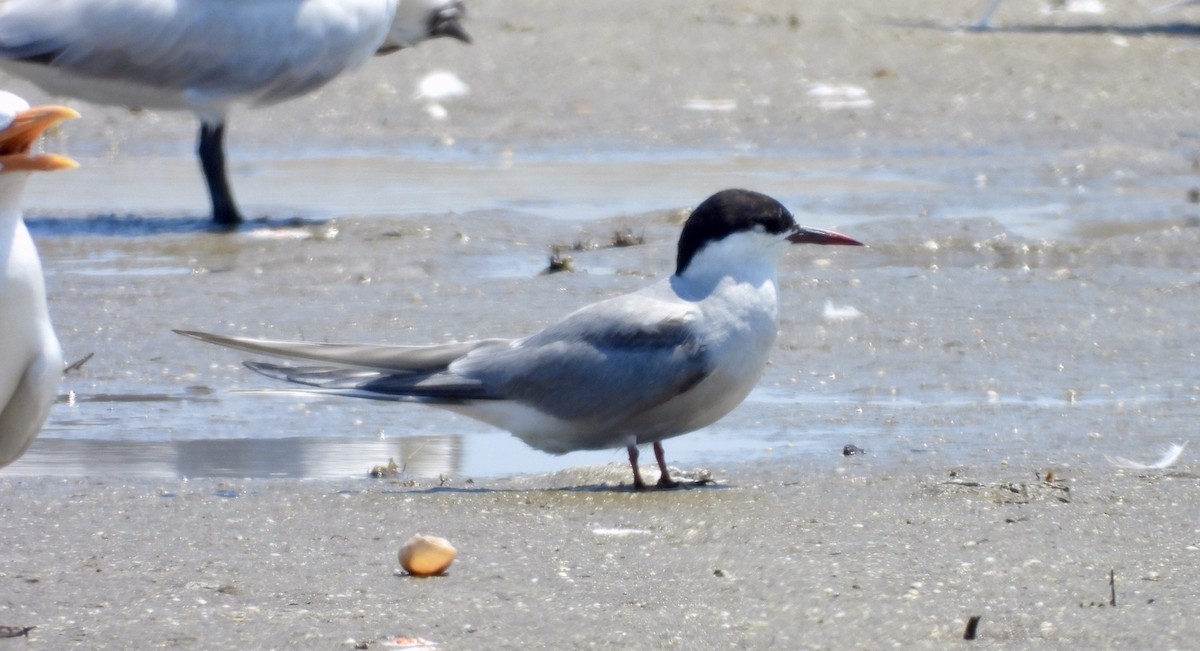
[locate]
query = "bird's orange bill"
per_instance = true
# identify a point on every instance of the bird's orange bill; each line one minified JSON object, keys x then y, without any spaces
{"x":17,"y":140}
{"x":806,"y":235}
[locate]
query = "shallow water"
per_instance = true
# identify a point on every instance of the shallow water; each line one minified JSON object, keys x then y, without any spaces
{"x":1029,"y":296}
{"x":1093,"y":199}
{"x":1028,"y":331}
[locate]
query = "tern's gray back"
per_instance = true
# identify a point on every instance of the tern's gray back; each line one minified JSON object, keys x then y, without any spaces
{"x":601,"y":364}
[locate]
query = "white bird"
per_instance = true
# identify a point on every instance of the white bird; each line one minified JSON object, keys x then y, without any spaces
{"x":639,"y":368}
{"x":207,"y":56}
{"x":31,"y":362}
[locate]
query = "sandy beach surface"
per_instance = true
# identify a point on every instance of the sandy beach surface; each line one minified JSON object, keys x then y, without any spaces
{"x":1026,"y":310}
{"x":848,"y":558}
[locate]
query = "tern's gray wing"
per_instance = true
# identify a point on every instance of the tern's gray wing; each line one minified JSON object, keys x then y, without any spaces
{"x":430,"y":387}
{"x":601,"y":364}
{"x":272,"y":49}
{"x":367,"y":360}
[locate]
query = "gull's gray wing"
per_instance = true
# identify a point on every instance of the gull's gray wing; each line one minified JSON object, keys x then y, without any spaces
{"x":216,"y":49}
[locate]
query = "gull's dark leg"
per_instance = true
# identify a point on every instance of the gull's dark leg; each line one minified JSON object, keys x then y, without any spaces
{"x":664,"y":480}
{"x":637,"y":476}
{"x":212,"y":160}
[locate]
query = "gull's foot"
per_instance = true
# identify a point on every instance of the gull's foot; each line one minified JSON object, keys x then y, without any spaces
{"x":227,"y":220}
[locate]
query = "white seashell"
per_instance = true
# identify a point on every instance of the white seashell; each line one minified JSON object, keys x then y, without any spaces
{"x":718,"y":105}
{"x":840,"y":96}
{"x":836,"y":313}
{"x":437,"y":86}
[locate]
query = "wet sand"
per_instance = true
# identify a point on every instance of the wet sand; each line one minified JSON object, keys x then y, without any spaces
{"x":832,"y":559}
{"x":1027,"y":307}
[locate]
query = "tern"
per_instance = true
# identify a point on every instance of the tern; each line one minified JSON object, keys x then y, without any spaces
{"x":207,"y":56}
{"x":630,"y":370}
{"x":31,"y":361}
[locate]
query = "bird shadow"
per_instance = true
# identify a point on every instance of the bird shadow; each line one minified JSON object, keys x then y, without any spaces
{"x":588,"y":488}
{"x":112,"y":225}
{"x":1173,"y":29}
{"x":683,"y":487}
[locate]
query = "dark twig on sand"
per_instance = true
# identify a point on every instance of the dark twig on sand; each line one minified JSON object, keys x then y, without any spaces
{"x":972,"y":627}
{"x":15,"y":631}
{"x":1112,"y":588}
{"x":78,"y":364}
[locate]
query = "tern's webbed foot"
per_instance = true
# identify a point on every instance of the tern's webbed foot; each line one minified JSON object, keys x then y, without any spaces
{"x":665,"y":481}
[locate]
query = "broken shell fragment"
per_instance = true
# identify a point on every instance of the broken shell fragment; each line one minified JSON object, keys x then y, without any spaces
{"x":425,"y":555}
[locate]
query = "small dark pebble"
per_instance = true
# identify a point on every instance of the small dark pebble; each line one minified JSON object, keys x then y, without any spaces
{"x":559,"y":263}
{"x":626,"y":238}
{"x":851,"y":450}
{"x":972,"y":627}
{"x":390,"y":470}
{"x":1193,"y":195}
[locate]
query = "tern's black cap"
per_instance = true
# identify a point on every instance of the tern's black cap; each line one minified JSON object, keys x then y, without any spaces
{"x":728,"y":212}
